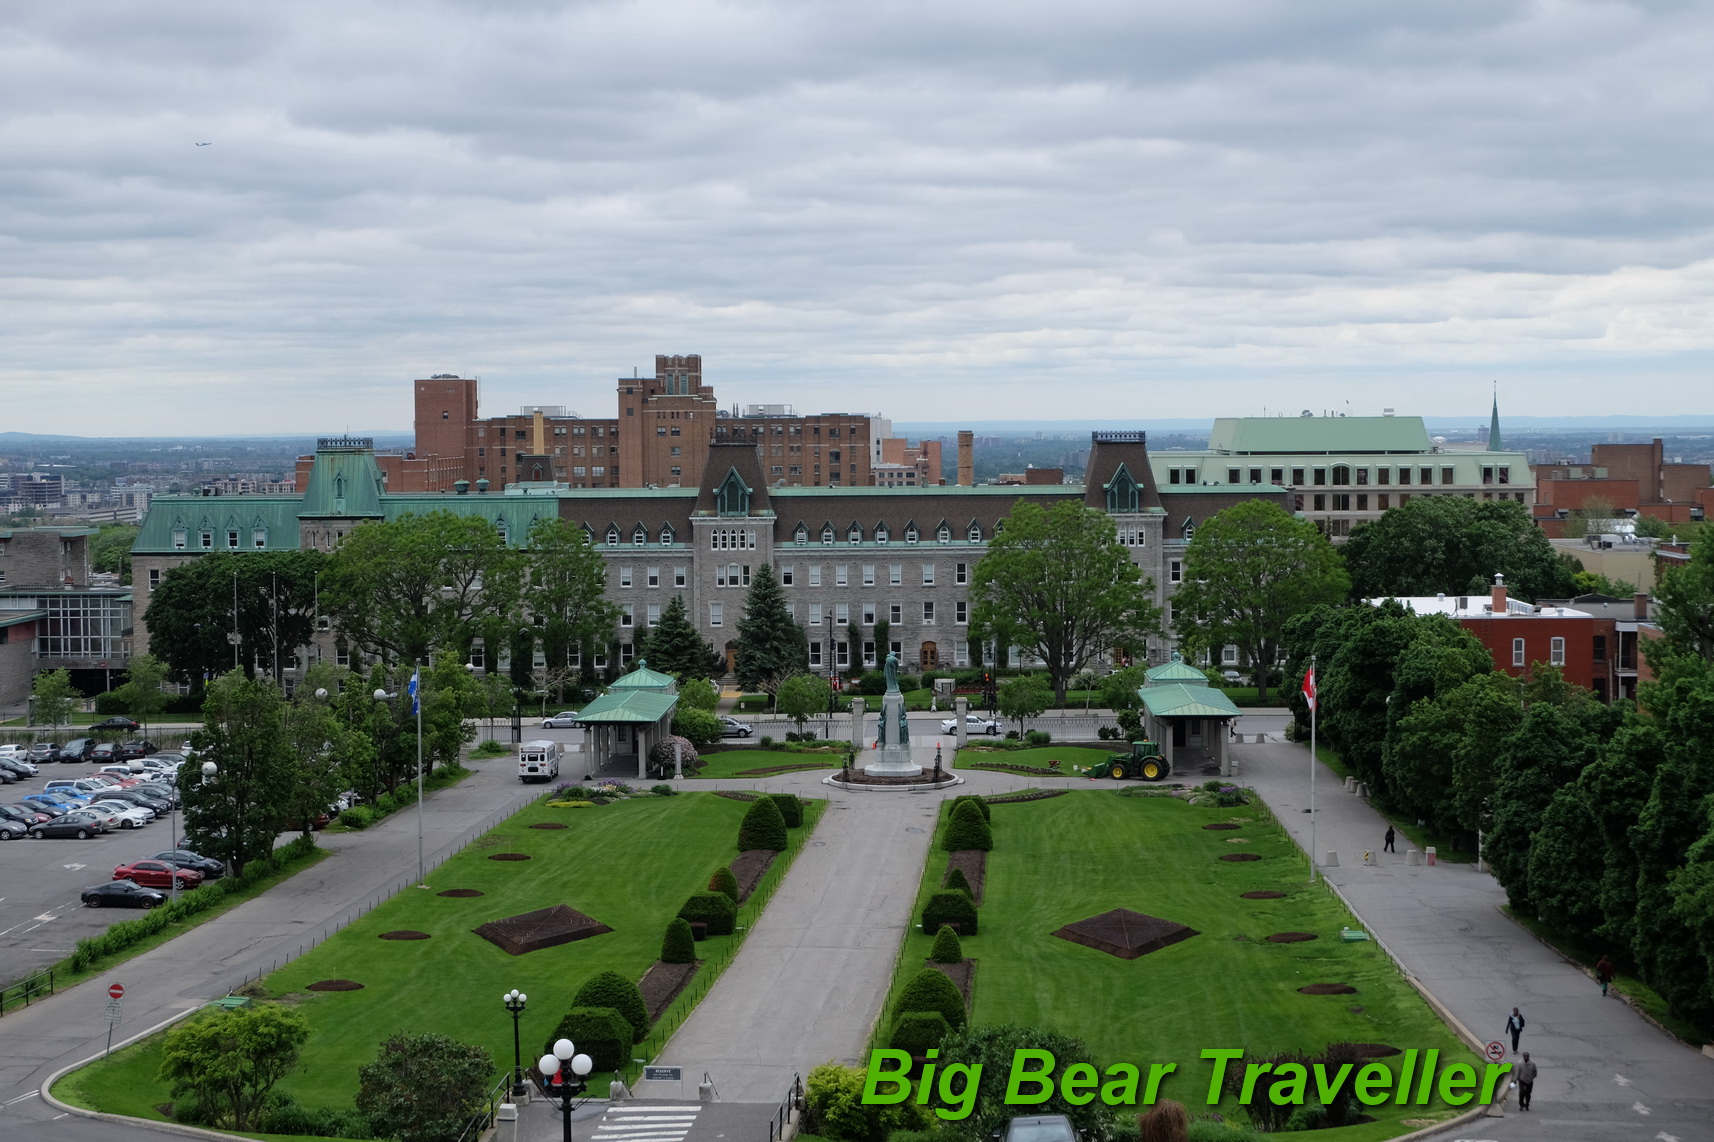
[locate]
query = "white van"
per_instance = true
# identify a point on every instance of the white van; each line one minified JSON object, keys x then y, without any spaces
{"x":538,"y":761}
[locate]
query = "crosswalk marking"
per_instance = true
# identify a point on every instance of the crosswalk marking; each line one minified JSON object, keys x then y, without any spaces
{"x":645,"y":1123}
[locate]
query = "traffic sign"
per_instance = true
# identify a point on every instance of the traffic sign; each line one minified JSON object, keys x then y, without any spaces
{"x":116,"y":991}
{"x":1496,"y":1051}
{"x":663,"y":1074}
{"x":115,"y":1011}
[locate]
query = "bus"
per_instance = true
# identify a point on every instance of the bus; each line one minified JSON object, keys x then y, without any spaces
{"x":538,"y":761}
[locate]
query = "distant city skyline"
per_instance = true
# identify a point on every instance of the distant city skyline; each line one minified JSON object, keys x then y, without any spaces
{"x":217,"y":220}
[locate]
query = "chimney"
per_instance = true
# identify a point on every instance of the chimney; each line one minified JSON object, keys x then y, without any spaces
{"x":1498,"y":607}
{"x":966,"y":458}
{"x":539,"y":436}
{"x":1640,"y":606}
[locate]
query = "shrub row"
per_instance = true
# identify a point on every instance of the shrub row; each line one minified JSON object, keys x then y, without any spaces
{"x":362,"y":816}
{"x":128,"y":933}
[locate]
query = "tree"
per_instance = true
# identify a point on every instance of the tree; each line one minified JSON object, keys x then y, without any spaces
{"x":1596,"y":514}
{"x":142,"y":693}
{"x":771,"y":645}
{"x":698,"y":727}
{"x":1119,"y":690}
{"x":271,"y":595}
{"x":675,"y":647}
{"x":229,"y":1061}
{"x":1686,"y":595}
{"x":1058,"y":584}
{"x":235,"y":815}
{"x":566,"y":590}
{"x":406,"y":587}
{"x":883,"y":640}
{"x":854,"y":650}
{"x":312,"y":736}
{"x":54,"y":697}
{"x":1024,"y":696}
{"x":992,"y":1049}
{"x":110,"y":549}
{"x":1450,"y":544}
{"x":802,"y":697}
{"x":1249,"y":570}
{"x":423,"y":1087}
{"x":698,"y":694}
{"x":447,"y":693}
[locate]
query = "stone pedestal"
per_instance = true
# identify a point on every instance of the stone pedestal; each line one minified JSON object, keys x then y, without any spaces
{"x":961,"y":707}
{"x":893,"y":758}
{"x":859,"y":733}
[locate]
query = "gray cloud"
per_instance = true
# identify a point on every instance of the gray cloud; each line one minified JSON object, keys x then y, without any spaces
{"x":930,"y":211}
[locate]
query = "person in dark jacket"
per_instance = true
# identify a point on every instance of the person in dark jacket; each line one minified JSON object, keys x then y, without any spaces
{"x":1387,"y":847}
{"x":1604,"y":972}
{"x":1526,"y":1082}
{"x":1515,"y":1025}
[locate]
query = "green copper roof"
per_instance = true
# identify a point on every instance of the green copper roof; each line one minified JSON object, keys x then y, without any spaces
{"x":1494,"y":427}
{"x":177,"y":524}
{"x":515,"y":514}
{"x":642,"y":678}
{"x":344,"y":483}
{"x":1013,"y":490}
{"x":628,"y":707}
{"x":1177,"y":700}
{"x":1311,"y":435}
{"x":1177,"y":670}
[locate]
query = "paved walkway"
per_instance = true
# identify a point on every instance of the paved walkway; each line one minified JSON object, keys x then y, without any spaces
{"x":1606,"y":1074}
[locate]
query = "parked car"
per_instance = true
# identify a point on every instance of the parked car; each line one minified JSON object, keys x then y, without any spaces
{"x":40,"y":752}
{"x":109,"y":818}
{"x":159,"y":792}
{"x":74,"y":787}
{"x":566,"y":720}
{"x":25,"y":815}
{"x":122,"y":814}
{"x":42,"y":803}
{"x":196,"y":862}
{"x":7,"y":776}
{"x":157,"y":874}
{"x":80,"y":824}
{"x":12,"y":830}
{"x":156,"y":805}
{"x":77,"y":749}
{"x":731,"y":727}
{"x":64,"y":800}
{"x":137,"y":748}
{"x":10,"y":749}
{"x":1039,"y":1128}
{"x":104,"y":751}
{"x":121,"y":894}
{"x":19,"y":764}
{"x":117,"y":723}
{"x":973,"y":724}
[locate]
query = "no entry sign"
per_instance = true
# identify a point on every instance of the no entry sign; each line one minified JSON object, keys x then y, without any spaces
{"x":117,"y":991}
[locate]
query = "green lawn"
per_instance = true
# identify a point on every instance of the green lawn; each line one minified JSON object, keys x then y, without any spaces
{"x":629,"y":864}
{"x":1061,"y":860}
{"x":731,"y":763}
{"x":1035,"y":758}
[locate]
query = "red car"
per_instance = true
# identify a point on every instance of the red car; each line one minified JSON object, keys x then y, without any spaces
{"x":156,"y":874}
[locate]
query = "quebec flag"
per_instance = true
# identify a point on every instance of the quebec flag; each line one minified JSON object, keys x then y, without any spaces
{"x":415,"y":707}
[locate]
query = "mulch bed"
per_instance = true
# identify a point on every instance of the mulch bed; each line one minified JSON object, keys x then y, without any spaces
{"x":661,"y":984}
{"x":974,"y":862}
{"x":510,"y":856}
{"x":1228,"y":856}
{"x":1328,"y":989}
{"x":1263,"y":894}
{"x":1025,"y":770}
{"x":549,"y":825}
{"x":543,"y":928}
{"x":1221,"y":825}
{"x":1125,"y":934}
{"x":1027,"y":795}
{"x":769,"y":771}
{"x":461,"y":892}
{"x":926,"y":777}
{"x":736,"y":794}
{"x":1291,"y":937}
{"x":962,"y":974}
{"x":335,"y":985}
{"x":1375,"y":1050}
{"x":749,"y":868}
{"x":405,"y":934}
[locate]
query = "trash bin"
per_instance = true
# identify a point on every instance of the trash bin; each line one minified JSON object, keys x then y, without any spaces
{"x":1430,"y":854}
{"x":1412,"y":857}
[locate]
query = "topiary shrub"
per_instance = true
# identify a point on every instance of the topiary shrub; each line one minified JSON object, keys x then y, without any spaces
{"x":602,"y":1033}
{"x":834,"y":1108}
{"x":610,"y":989}
{"x":663,"y":790}
{"x":678,"y":946}
{"x":968,"y":829}
{"x":724,"y":881}
{"x":930,"y":990}
{"x":763,"y":827}
{"x":947,"y":949}
{"x":956,"y":881}
{"x":1038,"y":738}
{"x":917,"y":1032}
{"x":949,"y":908}
{"x":791,"y":809}
{"x":973,"y":799}
{"x":715,"y":909}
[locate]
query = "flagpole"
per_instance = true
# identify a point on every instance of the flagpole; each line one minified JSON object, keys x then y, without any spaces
{"x":1314,"y":701}
{"x":417,"y":701}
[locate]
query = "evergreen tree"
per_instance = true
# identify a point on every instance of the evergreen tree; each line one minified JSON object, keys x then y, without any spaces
{"x":675,"y":647}
{"x":236,"y":814}
{"x":566,"y":591}
{"x":771,"y":646}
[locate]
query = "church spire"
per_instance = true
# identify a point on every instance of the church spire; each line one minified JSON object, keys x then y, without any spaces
{"x":1494,"y":426}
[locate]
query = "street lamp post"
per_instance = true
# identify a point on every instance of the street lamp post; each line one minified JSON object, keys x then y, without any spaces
{"x":209,"y":772}
{"x":417,"y":701}
{"x":830,"y":673}
{"x":514,"y":1001}
{"x":569,"y":1086}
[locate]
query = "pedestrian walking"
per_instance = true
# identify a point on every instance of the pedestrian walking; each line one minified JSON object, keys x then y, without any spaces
{"x":1388,"y":847}
{"x":1526,"y":1082}
{"x":1515,"y":1025}
{"x":1604,"y":972}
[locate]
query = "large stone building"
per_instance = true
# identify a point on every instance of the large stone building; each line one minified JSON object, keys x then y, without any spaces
{"x":55,"y":615}
{"x":1621,"y":480}
{"x":1345,"y":470}
{"x":847,"y":554}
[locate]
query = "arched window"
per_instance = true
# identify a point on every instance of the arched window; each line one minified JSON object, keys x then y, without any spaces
{"x":639,"y":535}
{"x":1188,"y":531}
{"x":943,"y":533}
{"x":975,"y":532}
{"x":910,"y":533}
{"x":667,"y":535}
{"x":801,"y":535}
{"x":883,"y":534}
{"x":612,"y":535}
{"x":1341,"y":474}
{"x":855,"y":534}
{"x":827,"y":533}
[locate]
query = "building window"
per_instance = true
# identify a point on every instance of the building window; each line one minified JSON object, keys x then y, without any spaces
{"x":883,"y":534}
{"x":815,"y":653}
{"x":1175,"y":569}
{"x":975,"y":533}
{"x":1229,"y":655}
{"x":1404,"y":476}
{"x":1517,"y":652}
{"x":943,"y":534}
{"x":961,"y":573}
{"x":895,"y":613}
{"x":928,"y":614}
{"x":639,"y":536}
{"x":1296,"y":476}
{"x":911,"y":533}
{"x":678,"y":575}
{"x":1599,"y":652}
{"x":801,"y":535}
{"x":715,"y":614}
{"x":868,"y":654}
{"x":1319,"y":502}
{"x":842,"y":575}
{"x":612,"y":535}
{"x":1446,"y":476}
{"x":815,"y":614}
{"x":842,"y":654}
{"x":1341,"y":475}
{"x":625,"y":614}
{"x":896,"y":574}
{"x":928,"y":574}
{"x":1505,"y":475}
{"x":1362,"y":501}
{"x":854,"y":535}
{"x":1231,"y":475}
{"x":868,"y":574}
{"x":232,"y":540}
{"x":667,"y":534}
{"x":654,"y":614}
{"x":654,"y":579}
{"x":178,"y":539}
{"x":827,"y":534}
{"x":207,"y":540}
{"x":788,"y":573}
{"x":155,"y":579}
{"x":815,"y":574}
{"x":868,"y":614}
{"x":1556,"y":652}
{"x":1276,"y":475}
{"x":259,"y":537}
{"x":1383,"y":501}
{"x":625,"y":575}
{"x":842,"y":613}
{"x":1320,"y":477}
{"x":1383,"y":475}
{"x":961,"y":612}
{"x":1487,"y":474}
{"x":961,"y":653}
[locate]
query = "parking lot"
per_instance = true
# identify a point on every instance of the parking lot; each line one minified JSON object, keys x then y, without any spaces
{"x":41,"y":918}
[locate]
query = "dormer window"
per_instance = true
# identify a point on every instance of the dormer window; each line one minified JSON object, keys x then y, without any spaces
{"x":612,"y":535}
{"x":910,"y":533}
{"x":882,"y":534}
{"x":1123,"y":494}
{"x":801,"y":535}
{"x":232,"y":538}
{"x":943,"y":534}
{"x":639,"y":536}
{"x":855,"y":534}
{"x":667,"y":535}
{"x":207,"y":540}
{"x":180,"y":536}
{"x":827,"y":533}
{"x":975,"y":533}
{"x":501,"y":527}
{"x":259,"y":537}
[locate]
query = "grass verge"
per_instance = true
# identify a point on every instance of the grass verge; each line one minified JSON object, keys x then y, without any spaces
{"x":1035,"y":760}
{"x":1065,"y":859}
{"x":733,"y":763}
{"x":608,"y":863}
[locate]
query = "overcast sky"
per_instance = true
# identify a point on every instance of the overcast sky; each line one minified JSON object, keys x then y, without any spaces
{"x":926,"y":209}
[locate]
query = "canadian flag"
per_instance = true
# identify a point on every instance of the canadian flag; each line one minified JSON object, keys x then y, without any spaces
{"x":1309,"y":687}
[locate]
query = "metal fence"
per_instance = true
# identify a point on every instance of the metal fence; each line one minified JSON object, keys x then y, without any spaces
{"x":25,"y":992}
{"x":782,"y":1116}
{"x":484,"y":1118}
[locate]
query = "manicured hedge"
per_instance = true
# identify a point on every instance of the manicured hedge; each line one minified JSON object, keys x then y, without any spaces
{"x":791,"y":809}
{"x":602,"y":1033}
{"x":947,"y":949}
{"x":968,"y":829}
{"x":949,"y":908}
{"x":919,"y":1031}
{"x":714,"y":909}
{"x":610,"y":989}
{"x":930,"y":990}
{"x":956,"y":881}
{"x":980,"y":804}
{"x":723,"y":881}
{"x":679,"y":944}
{"x":763,"y":828}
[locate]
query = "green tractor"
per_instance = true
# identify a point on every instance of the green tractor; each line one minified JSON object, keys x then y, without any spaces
{"x":1145,"y":761}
